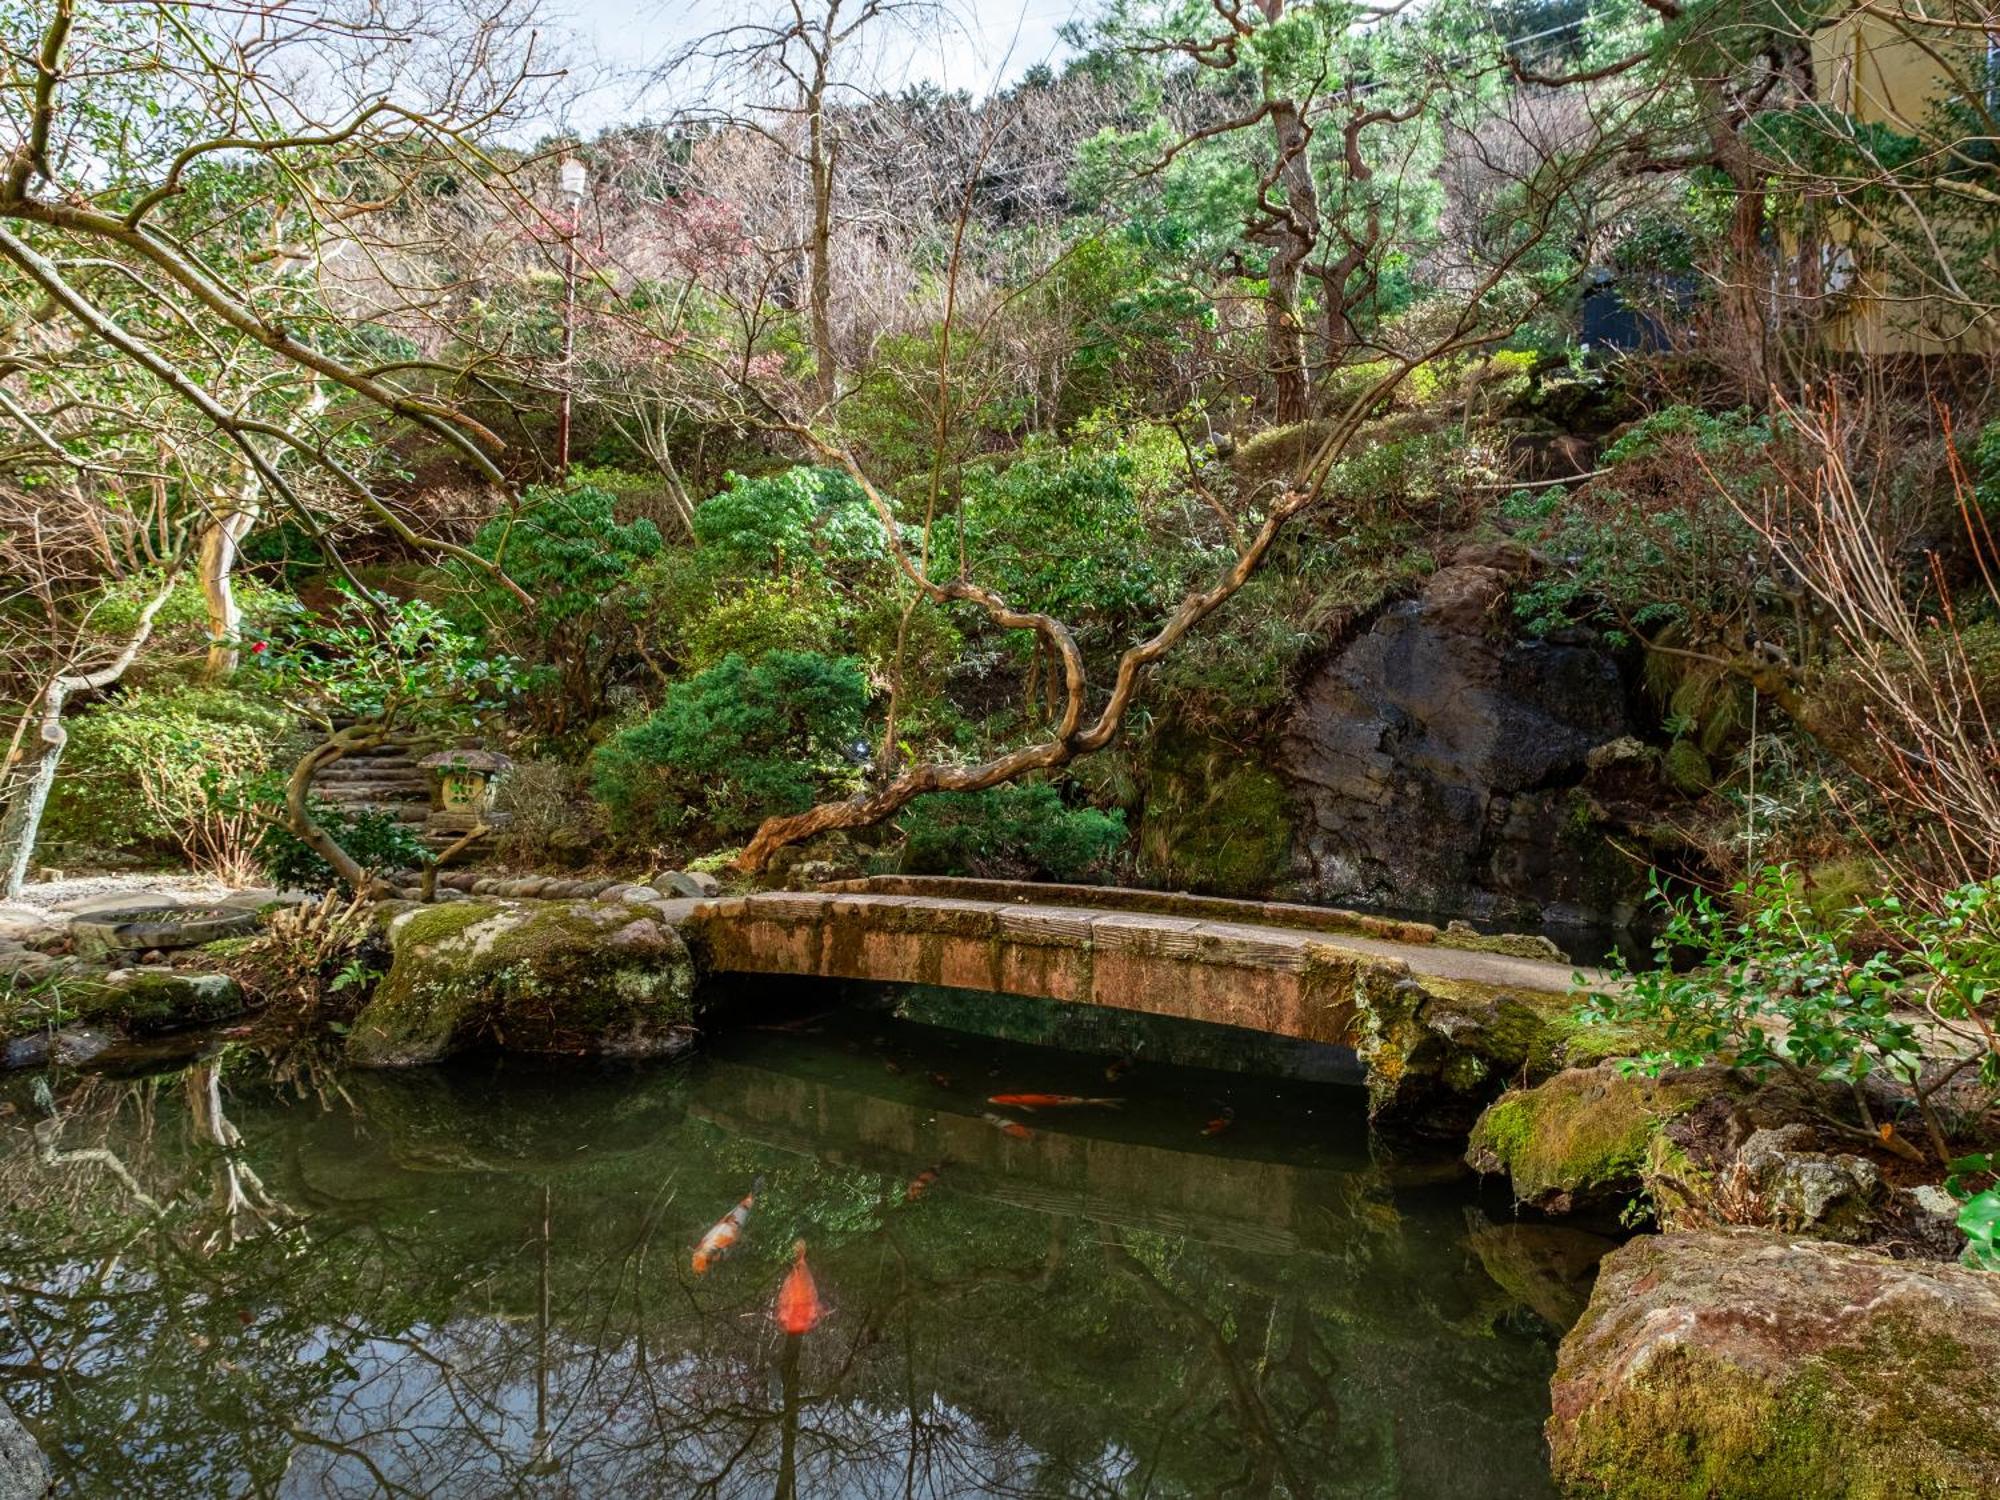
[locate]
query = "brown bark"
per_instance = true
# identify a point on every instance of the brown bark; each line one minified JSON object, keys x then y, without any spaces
{"x":298,"y":808}
{"x":1291,"y":232}
{"x":826,"y":369}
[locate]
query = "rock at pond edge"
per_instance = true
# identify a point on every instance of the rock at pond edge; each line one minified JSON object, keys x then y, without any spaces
{"x":1738,"y":1363}
{"x":24,"y":1472}
{"x":602,"y":978}
{"x":1581,"y":1137}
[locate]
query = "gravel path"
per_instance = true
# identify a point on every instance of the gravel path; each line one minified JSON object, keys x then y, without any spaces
{"x":83,"y":892}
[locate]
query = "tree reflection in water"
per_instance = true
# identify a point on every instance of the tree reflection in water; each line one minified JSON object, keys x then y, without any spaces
{"x":474,"y":1283}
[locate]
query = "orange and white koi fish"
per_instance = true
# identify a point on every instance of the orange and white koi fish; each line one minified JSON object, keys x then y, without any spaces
{"x":799,"y":1309}
{"x":1049,"y":1101}
{"x":1220,"y":1123}
{"x":1006,"y":1126}
{"x":922,"y":1183}
{"x":728,"y":1229}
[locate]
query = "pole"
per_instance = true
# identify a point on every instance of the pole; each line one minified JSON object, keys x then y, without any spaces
{"x":568,"y":343}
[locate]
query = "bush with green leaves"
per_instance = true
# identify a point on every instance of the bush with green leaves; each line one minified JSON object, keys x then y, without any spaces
{"x":1657,"y":544}
{"x":151,"y":770}
{"x":736,"y":743}
{"x":1774,"y":985}
{"x":1979,"y":1208}
{"x":388,"y":661}
{"x":1023,"y":830}
{"x":801,"y":519}
{"x":379,"y":843}
{"x":1064,"y":531}
{"x":584,"y":568}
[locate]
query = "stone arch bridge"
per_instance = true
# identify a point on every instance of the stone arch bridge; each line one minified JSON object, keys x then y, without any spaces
{"x":1439,"y":1018}
{"x":1309,"y":973}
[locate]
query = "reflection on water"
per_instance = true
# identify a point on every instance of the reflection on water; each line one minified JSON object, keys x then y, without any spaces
{"x":476,"y":1281}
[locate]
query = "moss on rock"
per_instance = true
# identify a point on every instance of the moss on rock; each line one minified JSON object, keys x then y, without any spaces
{"x":574,"y":977}
{"x":1438,"y":1050}
{"x":1215,"y":821}
{"x":1735,"y":1363}
{"x":1582,"y":1136}
{"x":152,"y":999}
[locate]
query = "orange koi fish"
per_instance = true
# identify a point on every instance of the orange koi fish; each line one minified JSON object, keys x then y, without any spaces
{"x":1220,"y":1123}
{"x":799,"y":1309}
{"x":1049,"y":1101}
{"x":728,"y":1229}
{"x":1006,"y":1126}
{"x":922,"y":1183}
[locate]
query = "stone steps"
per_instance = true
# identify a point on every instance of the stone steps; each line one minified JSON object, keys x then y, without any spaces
{"x":372,"y":791}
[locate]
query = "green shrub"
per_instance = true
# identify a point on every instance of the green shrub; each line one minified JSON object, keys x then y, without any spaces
{"x":1658,"y":542}
{"x":379,"y":843}
{"x":1776,"y":985}
{"x":736,"y":743}
{"x":584,"y":569}
{"x":1019,"y":831}
{"x":760,"y":616}
{"x":801,"y":517}
{"x":1985,"y":468}
{"x":1064,"y":532}
{"x":147,"y":770}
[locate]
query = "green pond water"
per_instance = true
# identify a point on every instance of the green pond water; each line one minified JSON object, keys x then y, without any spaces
{"x":475,"y":1281}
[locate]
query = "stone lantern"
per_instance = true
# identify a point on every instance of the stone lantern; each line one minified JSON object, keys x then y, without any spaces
{"x":462,"y":788}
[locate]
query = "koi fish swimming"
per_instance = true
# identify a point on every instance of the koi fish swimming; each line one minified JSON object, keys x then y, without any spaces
{"x":1050,"y":1101}
{"x":799,"y":1308}
{"x":1221,"y":1122}
{"x":922,"y":1183}
{"x":721,"y":1239}
{"x":1006,"y":1126}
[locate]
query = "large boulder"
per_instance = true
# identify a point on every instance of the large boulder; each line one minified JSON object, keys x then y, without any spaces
{"x":1441,"y":762}
{"x":1583,"y":1137}
{"x":1737,"y":1363}
{"x":24,"y":1473}
{"x":574,"y":977}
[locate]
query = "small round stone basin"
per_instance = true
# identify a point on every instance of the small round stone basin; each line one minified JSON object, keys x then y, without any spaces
{"x":138,"y":929}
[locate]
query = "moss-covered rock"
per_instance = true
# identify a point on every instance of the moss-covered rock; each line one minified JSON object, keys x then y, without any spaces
{"x":571,"y":977}
{"x":1736,"y":1363}
{"x":1686,"y":768}
{"x":1215,"y":821}
{"x":1581,"y":1137}
{"x":1438,"y":1051}
{"x":151,"y":999}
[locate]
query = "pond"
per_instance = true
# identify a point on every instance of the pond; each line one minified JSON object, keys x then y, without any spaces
{"x":477,"y":1281}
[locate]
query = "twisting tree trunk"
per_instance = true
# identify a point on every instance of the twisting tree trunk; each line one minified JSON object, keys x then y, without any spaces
{"x":1294,"y":228}
{"x":298,"y":803}
{"x":44,"y":739}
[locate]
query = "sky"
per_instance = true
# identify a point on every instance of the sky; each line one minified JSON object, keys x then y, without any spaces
{"x":623,"y":39}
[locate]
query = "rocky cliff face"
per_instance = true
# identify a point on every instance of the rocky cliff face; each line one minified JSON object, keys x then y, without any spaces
{"x":1440,"y":762}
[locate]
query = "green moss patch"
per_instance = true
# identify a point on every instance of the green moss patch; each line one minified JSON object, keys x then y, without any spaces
{"x":1215,"y":821}
{"x":1582,"y":1135}
{"x":571,"y":977}
{"x":1742,"y":1365}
